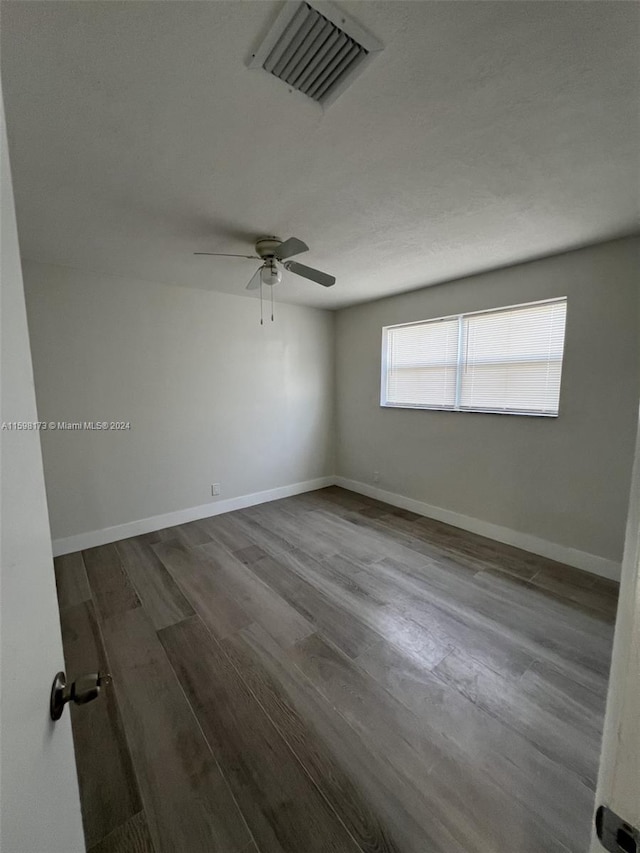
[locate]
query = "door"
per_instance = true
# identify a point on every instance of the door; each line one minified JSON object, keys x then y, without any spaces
{"x":619,"y":776}
{"x":39,"y":806}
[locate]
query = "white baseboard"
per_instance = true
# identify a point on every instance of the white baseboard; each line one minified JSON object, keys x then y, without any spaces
{"x":571,"y":556}
{"x":157,"y":522}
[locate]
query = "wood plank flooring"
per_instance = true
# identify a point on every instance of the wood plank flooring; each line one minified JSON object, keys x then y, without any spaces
{"x":329,"y":673}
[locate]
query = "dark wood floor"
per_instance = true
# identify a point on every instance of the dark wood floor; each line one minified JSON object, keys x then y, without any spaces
{"x":327,"y":673}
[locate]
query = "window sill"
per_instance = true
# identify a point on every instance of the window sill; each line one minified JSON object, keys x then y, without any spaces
{"x":469,"y":411}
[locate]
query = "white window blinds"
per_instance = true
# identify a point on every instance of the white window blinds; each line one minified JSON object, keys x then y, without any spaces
{"x":422,"y":364}
{"x":508,"y":361}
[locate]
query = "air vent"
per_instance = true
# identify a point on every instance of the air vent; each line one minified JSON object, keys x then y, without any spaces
{"x":317,"y":50}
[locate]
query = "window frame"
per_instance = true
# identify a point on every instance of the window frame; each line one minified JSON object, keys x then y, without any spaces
{"x":457,"y":408}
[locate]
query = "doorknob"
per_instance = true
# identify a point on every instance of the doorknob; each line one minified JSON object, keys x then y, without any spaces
{"x":82,"y":690}
{"x":614,"y":833}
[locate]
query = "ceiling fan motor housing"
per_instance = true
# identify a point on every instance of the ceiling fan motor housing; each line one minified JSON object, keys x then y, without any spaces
{"x":266,"y":246}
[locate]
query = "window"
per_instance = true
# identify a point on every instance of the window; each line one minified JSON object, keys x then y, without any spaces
{"x":507,"y":361}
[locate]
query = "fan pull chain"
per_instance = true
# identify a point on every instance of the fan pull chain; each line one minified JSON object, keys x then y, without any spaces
{"x":272,"y":303}
{"x":261,"y":320}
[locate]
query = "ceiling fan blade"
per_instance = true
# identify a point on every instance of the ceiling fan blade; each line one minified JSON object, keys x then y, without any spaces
{"x":290,"y":247}
{"x":225,"y":255}
{"x":322,"y":278}
{"x":254,"y":284}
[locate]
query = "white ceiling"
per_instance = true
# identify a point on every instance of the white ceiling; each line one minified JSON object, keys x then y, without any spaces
{"x":486,"y":133}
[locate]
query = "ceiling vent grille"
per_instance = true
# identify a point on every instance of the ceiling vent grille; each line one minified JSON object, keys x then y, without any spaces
{"x":316,"y":49}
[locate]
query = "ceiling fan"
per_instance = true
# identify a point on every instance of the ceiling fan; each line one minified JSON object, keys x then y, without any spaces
{"x":274,"y":253}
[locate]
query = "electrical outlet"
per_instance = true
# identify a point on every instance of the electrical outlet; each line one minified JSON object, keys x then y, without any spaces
{"x":215,"y":489}
{"x":376,"y":476}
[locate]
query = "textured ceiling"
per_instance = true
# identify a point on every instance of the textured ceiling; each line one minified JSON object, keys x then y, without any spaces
{"x":486,"y":133}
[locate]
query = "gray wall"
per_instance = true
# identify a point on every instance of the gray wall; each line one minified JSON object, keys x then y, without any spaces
{"x":564,"y":480}
{"x":211,"y":395}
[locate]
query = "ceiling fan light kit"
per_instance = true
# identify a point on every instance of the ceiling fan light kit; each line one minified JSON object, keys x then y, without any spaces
{"x":270,"y":274}
{"x":274,"y":254}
